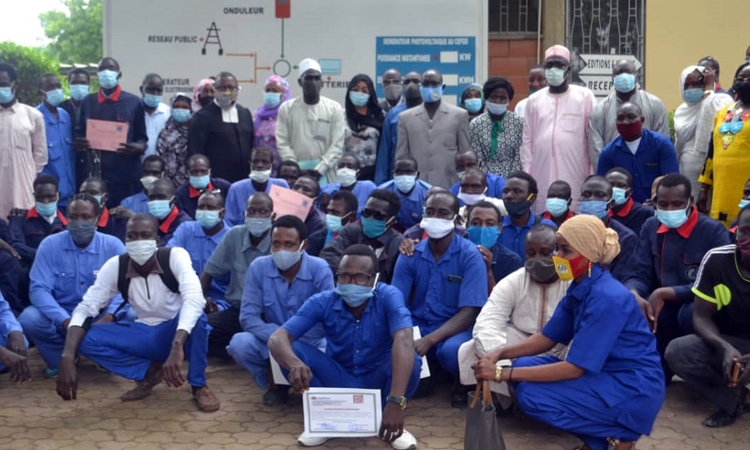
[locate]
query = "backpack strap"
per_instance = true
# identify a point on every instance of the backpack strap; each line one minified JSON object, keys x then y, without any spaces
{"x":123,"y":282}
{"x":163,"y":255}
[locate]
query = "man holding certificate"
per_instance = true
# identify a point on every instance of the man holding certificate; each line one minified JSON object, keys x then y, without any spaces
{"x":370,"y":345}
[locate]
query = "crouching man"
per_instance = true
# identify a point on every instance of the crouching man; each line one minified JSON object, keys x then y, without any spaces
{"x":165,"y":294}
{"x":369,"y":339}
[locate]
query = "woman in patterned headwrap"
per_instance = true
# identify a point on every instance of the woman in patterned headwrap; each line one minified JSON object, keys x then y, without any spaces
{"x":275,"y":92}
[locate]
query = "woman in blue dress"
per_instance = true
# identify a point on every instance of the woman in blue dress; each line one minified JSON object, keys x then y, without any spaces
{"x":610,"y":387}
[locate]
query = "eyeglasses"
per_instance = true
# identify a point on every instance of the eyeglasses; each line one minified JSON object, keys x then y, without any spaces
{"x":390,"y":82}
{"x":410,"y":81}
{"x":354,"y":278}
{"x":370,"y":214}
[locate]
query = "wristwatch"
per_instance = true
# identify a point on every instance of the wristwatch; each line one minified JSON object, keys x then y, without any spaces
{"x":400,"y":401}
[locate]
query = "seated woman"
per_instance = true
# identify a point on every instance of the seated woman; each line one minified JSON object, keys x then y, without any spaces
{"x":610,"y":387}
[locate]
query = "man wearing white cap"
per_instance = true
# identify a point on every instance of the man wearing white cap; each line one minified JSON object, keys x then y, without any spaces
{"x":556,"y":129}
{"x":310,"y":128}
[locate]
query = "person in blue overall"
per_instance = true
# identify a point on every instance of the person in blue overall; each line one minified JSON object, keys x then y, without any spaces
{"x":347,"y":173}
{"x":316,"y":218}
{"x":200,"y":181}
{"x":519,"y":194}
{"x":161,"y":205}
{"x":275,"y":289}
{"x":59,"y":130}
{"x":445,"y":285}
{"x":120,"y":169}
{"x":411,"y":191}
{"x":66,"y":265}
{"x":557,"y":206}
{"x":610,"y":387}
{"x":108,"y":223}
{"x":469,"y":160}
{"x":369,"y":343}
{"x":626,"y":210}
{"x":13,"y":345}
{"x":153,"y":169}
{"x":200,"y":238}
{"x":670,"y":249}
{"x":261,"y":160}
{"x":341,"y":210}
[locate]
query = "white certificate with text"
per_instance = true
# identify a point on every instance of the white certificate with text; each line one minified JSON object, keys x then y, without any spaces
{"x":342,"y":412}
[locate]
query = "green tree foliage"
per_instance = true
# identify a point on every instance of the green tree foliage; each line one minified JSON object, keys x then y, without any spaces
{"x":30,"y":63}
{"x":77,"y":35}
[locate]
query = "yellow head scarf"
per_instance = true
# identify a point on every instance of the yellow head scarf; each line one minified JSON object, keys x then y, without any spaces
{"x":588,"y":235}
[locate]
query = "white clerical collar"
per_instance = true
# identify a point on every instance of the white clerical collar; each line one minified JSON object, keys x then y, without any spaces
{"x":228,"y":115}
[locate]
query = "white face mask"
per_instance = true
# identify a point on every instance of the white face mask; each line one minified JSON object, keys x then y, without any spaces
{"x":346,"y":177}
{"x":437,"y":228}
{"x":141,"y":251}
{"x":471,"y":199}
{"x":148,"y":181}
{"x":260,"y":176}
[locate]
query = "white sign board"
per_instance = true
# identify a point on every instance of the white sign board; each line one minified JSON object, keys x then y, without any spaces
{"x":186,"y":41}
{"x":597,"y":71}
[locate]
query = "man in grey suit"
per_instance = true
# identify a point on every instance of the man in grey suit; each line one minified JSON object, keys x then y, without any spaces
{"x":433,"y":133}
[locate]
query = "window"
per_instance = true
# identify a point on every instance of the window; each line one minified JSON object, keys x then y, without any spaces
{"x":513,"y":16}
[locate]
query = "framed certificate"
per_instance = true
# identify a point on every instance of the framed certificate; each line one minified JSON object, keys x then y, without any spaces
{"x":342,"y":412}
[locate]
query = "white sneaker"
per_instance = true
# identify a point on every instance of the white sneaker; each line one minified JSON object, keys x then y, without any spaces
{"x":407,"y":441}
{"x":311,"y":441}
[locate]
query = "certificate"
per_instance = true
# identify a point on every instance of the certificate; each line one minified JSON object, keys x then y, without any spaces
{"x":341,"y":412}
{"x":289,"y":202}
{"x":106,"y":135}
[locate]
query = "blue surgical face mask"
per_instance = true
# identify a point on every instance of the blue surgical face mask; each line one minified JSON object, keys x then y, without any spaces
{"x":200,"y":182}
{"x":334,"y":223}
{"x":159,"y":208}
{"x":431,"y":94}
{"x":673,"y":219}
{"x":98,"y":199}
{"x":54,"y":97}
{"x":556,"y":206}
{"x":6,"y":95}
{"x":405,"y":183}
{"x":497,"y":109}
{"x":258,"y":226}
{"x":555,"y":76}
{"x":107,"y":79}
{"x":79,"y":91}
{"x":744,"y":203}
{"x":207,"y":219}
{"x":285,"y":259}
{"x":619,"y":195}
{"x":271,"y":99}
{"x":151,"y":100}
{"x":46,"y":209}
{"x":181,"y":115}
{"x":473,"y":105}
{"x":355,"y":295}
{"x":373,"y":228}
{"x":358,"y":98}
{"x":484,"y":236}
{"x":596,"y":208}
{"x":692,"y":96}
{"x":624,"y":82}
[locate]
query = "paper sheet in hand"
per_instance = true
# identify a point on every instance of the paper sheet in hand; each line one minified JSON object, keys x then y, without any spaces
{"x":425,"y":372}
{"x":288,"y":202}
{"x":336,"y":412}
{"x":106,"y":135}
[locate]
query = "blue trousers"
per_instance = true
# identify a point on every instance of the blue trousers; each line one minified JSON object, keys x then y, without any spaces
{"x":327,"y":372}
{"x":252,"y":354}
{"x":128,"y":348}
{"x":48,"y":338}
{"x":572,"y":405}
{"x":4,"y":343}
{"x":446,"y":352}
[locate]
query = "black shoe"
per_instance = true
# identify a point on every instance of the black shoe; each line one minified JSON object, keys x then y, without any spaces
{"x":459,"y":400}
{"x":721,"y":419}
{"x":275,"y":397}
{"x":425,"y":388}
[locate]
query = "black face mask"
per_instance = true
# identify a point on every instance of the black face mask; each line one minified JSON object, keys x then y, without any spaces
{"x":541,"y":270}
{"x":743,"y":91}
{"x":517,"y":209}
{"x":204,"y":101}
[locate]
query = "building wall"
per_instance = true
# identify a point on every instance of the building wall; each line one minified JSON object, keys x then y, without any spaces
{"x":680,"y":32}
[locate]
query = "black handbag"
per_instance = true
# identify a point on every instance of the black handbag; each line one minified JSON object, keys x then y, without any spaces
{"x":482,"y":431}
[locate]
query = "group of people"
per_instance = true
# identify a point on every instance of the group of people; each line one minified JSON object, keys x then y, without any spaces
{"x":564,"y":251}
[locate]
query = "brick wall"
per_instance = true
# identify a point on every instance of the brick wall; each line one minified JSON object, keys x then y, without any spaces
{"x":512,"y":59}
